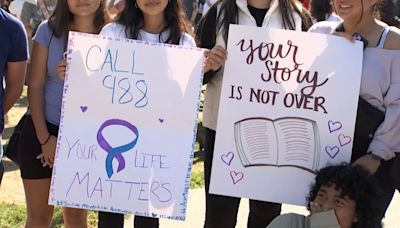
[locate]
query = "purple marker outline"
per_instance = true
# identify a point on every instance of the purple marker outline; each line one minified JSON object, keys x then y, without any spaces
{"x":236,"y":176}
{"x":332,"y":124}
{"x":334,"y":149}
{"x":227,"y":158}
{"x":117,"y":151}
{"x":344,"y":140}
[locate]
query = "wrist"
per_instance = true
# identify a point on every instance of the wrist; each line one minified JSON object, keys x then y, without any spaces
{"x":44,"y":142}
{"x":375,"y":157}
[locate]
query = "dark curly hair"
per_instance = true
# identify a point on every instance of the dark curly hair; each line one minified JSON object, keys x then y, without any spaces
{"x":353,"y":182}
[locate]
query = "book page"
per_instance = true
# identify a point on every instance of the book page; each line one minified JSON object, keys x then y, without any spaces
{"x":256,"y":142}
{"x":297,"y":142}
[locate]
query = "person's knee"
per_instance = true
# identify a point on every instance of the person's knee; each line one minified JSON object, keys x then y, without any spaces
{"x":38,"y":220}
{"x":75,"y":218}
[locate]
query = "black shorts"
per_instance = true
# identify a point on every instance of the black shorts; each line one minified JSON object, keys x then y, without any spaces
{"x":29,"y":147}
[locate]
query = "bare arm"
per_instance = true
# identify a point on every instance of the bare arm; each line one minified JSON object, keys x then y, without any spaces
{"x":36,"y":83}
{"x":14,"y":83}
{"x":393,"y":39}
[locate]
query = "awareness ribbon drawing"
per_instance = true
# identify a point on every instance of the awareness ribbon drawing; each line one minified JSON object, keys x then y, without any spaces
{"x":116,"y":152}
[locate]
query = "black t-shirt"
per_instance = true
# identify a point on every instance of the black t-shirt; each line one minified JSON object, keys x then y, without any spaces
{"x":258,"y":14}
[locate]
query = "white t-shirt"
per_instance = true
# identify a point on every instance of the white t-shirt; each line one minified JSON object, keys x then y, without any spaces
{"x":329,"y":17}
{"x":325,"y":27}
{"x":117,"y":30}
{"x":334,"y":17}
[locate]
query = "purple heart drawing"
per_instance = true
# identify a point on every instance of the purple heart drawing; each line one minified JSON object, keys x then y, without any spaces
{"x":332,"y":151}
{"x":161,"y":120}
{"x":227,"y":158}
{"x":83,"y":108}
{"x":344,"y":140}
{"x":236,"y":176}
{"x":334,"y":126}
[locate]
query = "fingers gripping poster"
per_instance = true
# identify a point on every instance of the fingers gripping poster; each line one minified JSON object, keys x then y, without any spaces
{"x":288,"y":108}
{"x":128,"y":125}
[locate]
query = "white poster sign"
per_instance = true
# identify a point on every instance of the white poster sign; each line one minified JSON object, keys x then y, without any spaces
{"x":288,"y":108}
{"x":128,"y":126}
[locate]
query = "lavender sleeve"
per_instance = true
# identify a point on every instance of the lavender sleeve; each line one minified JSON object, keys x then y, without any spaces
{"x":43,"y":34}
{"x":386,"y":141}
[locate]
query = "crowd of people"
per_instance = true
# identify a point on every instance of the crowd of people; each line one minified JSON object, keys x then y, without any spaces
{"x":33,"y":39}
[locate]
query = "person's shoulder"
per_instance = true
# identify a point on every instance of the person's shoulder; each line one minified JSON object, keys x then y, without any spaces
{"x":288,"y":221}
{"x":13,"y":36}
{"x":44,"y":27}
{"x":10,"y":22}
{"x":324,"y":219}
{"x":393,"y":39}
{"x":187,"y":40}
{"x":44,"y":34}
{"x":325,"y":27}
{"x":113,"y":29}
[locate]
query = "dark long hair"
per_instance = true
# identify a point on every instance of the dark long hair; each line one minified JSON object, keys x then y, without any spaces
{"x":355,"y":183}
{"x":62,"y":16}
{"x":321,"y":8}
{"x":176,"y":23}
{"x":229,"y":15}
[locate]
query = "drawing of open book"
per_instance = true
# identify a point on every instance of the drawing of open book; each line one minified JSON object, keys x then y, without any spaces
{"x":288,"y":141}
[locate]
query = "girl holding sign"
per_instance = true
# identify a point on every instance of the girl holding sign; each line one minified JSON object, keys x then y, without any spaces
{"x":158,"y":21}
{"x":379,"y":105}
{"x":39,"y":137}
{"x":221,"y":211}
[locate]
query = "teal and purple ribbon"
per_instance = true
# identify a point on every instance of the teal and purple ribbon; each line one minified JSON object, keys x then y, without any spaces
{"x":117,"y":151}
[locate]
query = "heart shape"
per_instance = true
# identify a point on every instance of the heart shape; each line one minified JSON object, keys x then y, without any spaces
{"x":344,"y":140}
{"x":84,"y":108}
{"x":236,"y":176}
{"x":161,"y":120}
{"x":332,"y":151}
{"x":227,"y":158}
{"x":334,"y":126}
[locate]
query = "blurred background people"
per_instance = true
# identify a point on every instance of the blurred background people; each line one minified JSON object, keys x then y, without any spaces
{"x":322,"y":10}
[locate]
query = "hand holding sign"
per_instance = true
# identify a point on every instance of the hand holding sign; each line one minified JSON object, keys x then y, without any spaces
{"x":215,"y":58}
{"x":61,"y":68}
